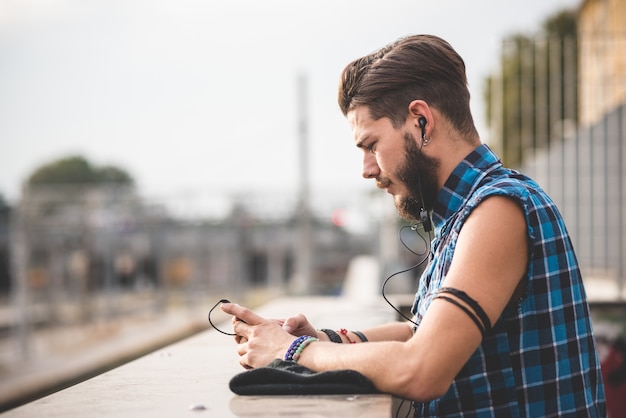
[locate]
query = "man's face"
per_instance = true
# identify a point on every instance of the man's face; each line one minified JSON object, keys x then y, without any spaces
{"x":392,"y":156}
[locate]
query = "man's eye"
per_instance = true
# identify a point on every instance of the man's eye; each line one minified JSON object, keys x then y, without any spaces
{"x":370,"y":148}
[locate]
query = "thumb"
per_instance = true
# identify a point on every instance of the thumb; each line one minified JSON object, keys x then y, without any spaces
{"x":290,"y":325}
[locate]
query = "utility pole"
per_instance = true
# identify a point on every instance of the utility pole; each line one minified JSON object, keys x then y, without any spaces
{"x":302,"y":277}
{"x":19,"y":258}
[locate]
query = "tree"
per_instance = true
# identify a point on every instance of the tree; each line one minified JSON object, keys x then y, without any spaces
{"x":562,"y":25}
{"x":77,"y":170}
{"x":536,"y":87}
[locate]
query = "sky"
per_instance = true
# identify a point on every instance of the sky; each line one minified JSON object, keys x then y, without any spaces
{"x":198,"y":97}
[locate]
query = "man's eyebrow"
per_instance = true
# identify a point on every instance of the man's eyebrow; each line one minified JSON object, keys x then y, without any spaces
{"x":360,"y":142}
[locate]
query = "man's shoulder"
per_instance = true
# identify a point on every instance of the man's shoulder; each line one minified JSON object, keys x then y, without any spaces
{"x":509,"y":184}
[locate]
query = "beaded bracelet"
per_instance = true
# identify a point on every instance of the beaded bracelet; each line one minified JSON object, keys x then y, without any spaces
{"x":345,"y":332}
{"x":297,"y":346}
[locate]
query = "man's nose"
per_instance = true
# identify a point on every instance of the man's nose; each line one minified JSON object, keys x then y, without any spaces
{"x":370,"y":167}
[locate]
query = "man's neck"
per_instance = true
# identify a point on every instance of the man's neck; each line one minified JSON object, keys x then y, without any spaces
{"x":451,"y":153}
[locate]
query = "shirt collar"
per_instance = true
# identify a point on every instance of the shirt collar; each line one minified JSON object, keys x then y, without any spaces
{"x":459,"y":186}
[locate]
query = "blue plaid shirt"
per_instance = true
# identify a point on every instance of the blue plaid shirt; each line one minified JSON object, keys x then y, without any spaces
{"x":540,"y":359}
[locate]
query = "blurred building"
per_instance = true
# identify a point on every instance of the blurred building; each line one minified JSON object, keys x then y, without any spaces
{"x":602,"y":46}
{"x":80,"y":242}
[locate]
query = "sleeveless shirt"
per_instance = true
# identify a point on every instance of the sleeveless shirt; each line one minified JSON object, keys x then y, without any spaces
{"x":540,"y":358}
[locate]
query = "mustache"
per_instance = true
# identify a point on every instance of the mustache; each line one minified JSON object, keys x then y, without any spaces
{"x":382,"y":182}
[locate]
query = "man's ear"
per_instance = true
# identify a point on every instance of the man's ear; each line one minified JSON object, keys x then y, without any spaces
{"x":421,"y":117}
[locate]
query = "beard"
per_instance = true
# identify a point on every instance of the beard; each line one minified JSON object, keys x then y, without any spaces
{"x":418,"y":173}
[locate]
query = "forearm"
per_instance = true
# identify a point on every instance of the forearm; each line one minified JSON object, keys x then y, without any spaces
{"x":394,"y":331}
{"x":387,"y":364}
{"x":421,"y":368}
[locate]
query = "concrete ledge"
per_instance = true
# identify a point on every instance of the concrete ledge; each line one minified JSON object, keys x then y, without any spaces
{"x":192,"y":375}
{"x":362,"y":406}
{"x":134,"y":342}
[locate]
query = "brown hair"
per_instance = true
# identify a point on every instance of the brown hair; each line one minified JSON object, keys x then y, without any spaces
{"x":415,"y":67}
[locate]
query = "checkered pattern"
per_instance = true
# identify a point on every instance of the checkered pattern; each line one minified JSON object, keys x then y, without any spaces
{"x":539,"y":360}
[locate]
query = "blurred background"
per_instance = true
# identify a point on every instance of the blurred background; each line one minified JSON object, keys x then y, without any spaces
{"x":157,"y":156}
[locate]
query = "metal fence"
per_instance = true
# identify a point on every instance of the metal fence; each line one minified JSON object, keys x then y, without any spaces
{"x":571,"y":143}
{"x":584,"y":174}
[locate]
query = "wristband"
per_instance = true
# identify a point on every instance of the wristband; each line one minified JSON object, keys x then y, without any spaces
{"x":360,"y":335}
{"x":332,"y":335}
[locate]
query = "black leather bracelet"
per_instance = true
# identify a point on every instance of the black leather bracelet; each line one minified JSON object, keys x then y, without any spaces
{"x":360,"y":335}
{"x":469,"y":313}
{"x":471,"y":302}
{"x":334,"y":337}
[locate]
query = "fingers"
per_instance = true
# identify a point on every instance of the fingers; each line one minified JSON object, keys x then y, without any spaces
{"x":242,"y":349}
{"x":244,"y":364}
{"x":245,"y":358}
{"x":242,"y":313}
{"x":242,"y":329}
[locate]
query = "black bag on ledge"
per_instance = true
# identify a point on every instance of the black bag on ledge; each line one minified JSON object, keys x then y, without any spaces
{"x":288,"y":378}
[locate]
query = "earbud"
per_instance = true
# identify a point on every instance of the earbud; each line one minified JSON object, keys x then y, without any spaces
{"x":422,"y":122}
